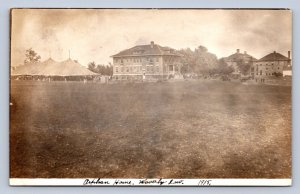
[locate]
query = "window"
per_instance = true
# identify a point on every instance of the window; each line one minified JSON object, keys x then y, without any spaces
{"x":266,"y":73}
{"x":260,"y":72}
{"x":121,"y":60}
{"x":157,"y":69}
{"x":157,"y":59}
{"x":278,"y":67}
{"x":117,"y":70}
{"x":127,"y":69}
{"x":266,"y":68}
{"x":260,"y":64}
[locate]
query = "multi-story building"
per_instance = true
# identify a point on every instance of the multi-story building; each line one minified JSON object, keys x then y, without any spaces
{"x":270,"y":65}
{"x":240,"y":58}
{"x":150,"y":61}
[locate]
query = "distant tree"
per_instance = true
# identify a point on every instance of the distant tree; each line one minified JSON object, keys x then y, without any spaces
{"x":201,"y":49}
{"x":105,"y":69}
{"x":101,"y":69}
{"x":31,"y":57}
{"x":199,"y":61}
{"x":92,"y":67}
{"x":187,"y":60}
{"x":110,"y":69}
{"x":223,"y":68}
{"x":243,"y":67}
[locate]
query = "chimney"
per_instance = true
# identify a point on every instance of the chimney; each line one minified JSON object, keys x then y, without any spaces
{"x":274,"y":52}
{"x":245,"y":52}
{"x":237,"y":50}
{"x":289,"y":54}
{"x":152,"y":44}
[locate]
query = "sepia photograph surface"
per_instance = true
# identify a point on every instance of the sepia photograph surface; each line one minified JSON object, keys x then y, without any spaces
{"x":150,"y":96}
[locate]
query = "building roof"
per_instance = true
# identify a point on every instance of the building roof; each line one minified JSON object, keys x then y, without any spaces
{"x":240,"y":56}
{"x":149,"y":49}
{"x":50,"y":67}
{"x":274,"y":57}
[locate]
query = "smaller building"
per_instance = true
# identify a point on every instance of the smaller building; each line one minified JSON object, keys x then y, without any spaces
{"x":239,"y":58}
{"x":272,"y":65}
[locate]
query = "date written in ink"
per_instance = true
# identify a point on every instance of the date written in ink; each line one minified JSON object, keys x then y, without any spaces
{"x":204,"y":182}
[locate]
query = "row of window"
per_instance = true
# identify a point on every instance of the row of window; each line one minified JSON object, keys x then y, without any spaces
{"x":270,"y":68}
{"x":137,"y":60}
{"x":265,"y":64}
{"x":135,"y":69}
{"x":267,"y":73}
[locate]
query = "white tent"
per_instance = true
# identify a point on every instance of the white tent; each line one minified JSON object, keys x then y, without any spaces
{"x":52,"y":68}
{"x":28,"y":69}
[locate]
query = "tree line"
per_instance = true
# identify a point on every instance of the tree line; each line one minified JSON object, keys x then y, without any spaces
{"x":101,"y":69}
{"x":200,"y":61}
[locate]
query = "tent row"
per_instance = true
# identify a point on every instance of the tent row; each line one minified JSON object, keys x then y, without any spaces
{"x":50,"y":67}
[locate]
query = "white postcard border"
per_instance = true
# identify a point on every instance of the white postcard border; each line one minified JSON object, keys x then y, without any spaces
{"x":146,"y":182}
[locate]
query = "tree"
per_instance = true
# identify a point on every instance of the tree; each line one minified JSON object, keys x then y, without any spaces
{"x":199,"y":61}
{"x":31,"y":57}
{"x":244,"y":68}
{"x":110,"y":69}
{"x":101,"y":69}
{"x":92,"y":67}
{"x":187,"y":60}
{"x":223,"y":68}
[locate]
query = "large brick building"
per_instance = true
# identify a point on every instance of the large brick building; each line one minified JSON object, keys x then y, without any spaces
{"x":270,"y":65}
{"x":150,"y":61}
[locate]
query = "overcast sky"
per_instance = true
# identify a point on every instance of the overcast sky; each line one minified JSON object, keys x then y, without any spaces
{"x":96,"y":34}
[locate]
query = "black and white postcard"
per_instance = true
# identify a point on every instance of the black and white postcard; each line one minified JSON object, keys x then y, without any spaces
{"x":151,"y":97}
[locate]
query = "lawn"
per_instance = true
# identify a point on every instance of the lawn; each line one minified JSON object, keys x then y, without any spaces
{"x":189,"y":129}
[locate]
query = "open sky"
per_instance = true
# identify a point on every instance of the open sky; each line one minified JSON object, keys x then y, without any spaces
{"x":96,"y":34}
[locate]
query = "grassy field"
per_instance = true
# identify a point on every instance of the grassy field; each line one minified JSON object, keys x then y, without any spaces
{"x":208,"y":129}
